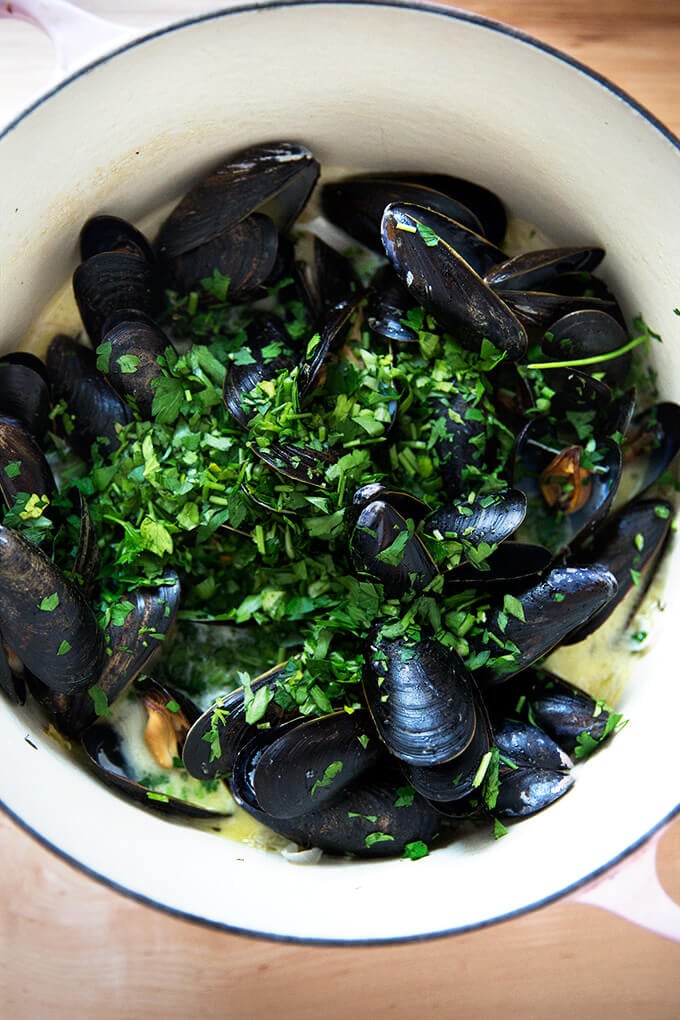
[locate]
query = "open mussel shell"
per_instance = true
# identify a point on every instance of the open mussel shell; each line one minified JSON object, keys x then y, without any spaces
{"x":23,"y":465}
{"x":96,"y":409}
{"x":245,"y":253}
{"x":421,"y":697}
{"x":105,"y":746}
{"x":562,"y":601}
{"x":24,"y":393}
{"x":445,"y":285}
{"x":111,"y":233}
{"x":135,"y":343}
{"x":650,"y":444}
{"x":384,"y":548}
{"x":532,"y":270}
{"x":266,"y":352}
{"x":568,"y":490}
{"x":356,"y":205}
{"x":524,"y":791}
{"x":276,"y":178}
{"x":45,"y":620}
{"x":628,"y":544}
{"x":370,"y":818}
{"x":454,"y":780}
{"x":309,"y":763}
{"x":587,"y":333}
{"x":111,"y":281}
{"x":215,"y":737}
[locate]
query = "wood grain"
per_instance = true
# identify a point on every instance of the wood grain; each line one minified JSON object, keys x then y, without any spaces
{"x":70,"y":946}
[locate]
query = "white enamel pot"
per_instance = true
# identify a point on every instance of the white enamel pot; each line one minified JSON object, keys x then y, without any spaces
{"x":365,"y":85}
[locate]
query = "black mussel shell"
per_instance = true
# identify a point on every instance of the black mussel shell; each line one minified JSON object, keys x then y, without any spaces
{"x":492,"y":518}
{"x":454,"y":780}
{"x":410,"y":507}
{"x":356,"y":205}
{"x":387,"y":305}
{"x":216,"y":736}
{"x":23,"y":465}
{"x":308,"y":764}
{"x":421,"y":697}
{"x":436,"y":228}
{"x":266,"y":352}
{"x":336,"y":282}
{"x":136,"y":343}
{"x":564,"y":712}
{"x":541,"y":309}
{"x":587,"y":333}
{"x":551,"y":609}
{"x":568,"y":489}
{"x":24,"y":393}
{"x":484,"y":204}
{"x":111,"y":281}
{"x":88,"y":554}
{"x":303,"y":464}
{"x":331,"y":331}
{"x":445,"y":285}
{"x":94,"y":405}
{"x":531,"y":270}
{"x":45,"y":620}
{"x":151,"y":612}
{"x":527,"y":746}
{"x":246,"y":253}
{"x":524,"y":791}
{"x":511,"y":564}
{"x":131,"y":645}
{"x":111,"y":233}
{"x":629,"y":545}
{"x":275,"y":178}
{"x":650,"y":444}
{"x":387,"y":550}
{"x":371,"y":818}
{"x":460,"y":456}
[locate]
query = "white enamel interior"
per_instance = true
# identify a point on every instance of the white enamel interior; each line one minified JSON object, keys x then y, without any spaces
{"x":379,"y":87}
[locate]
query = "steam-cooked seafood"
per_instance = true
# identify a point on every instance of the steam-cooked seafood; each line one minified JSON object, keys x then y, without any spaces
{"x":398,"y":490}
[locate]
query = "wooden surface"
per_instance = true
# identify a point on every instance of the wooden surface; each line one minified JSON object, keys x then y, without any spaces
{"x":69,"y":946}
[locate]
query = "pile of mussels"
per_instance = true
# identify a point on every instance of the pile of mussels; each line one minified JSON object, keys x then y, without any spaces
{"x":437,"y":722}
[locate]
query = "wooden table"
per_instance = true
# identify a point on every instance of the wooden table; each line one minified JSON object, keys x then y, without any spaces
{"x":69,"y":946}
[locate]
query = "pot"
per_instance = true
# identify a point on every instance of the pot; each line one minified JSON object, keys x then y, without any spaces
{"x":367,"y":85}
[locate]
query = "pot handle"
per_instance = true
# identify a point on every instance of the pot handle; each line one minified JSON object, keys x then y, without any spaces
{"x":632,"y":890}
{"x":77,"y":35}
